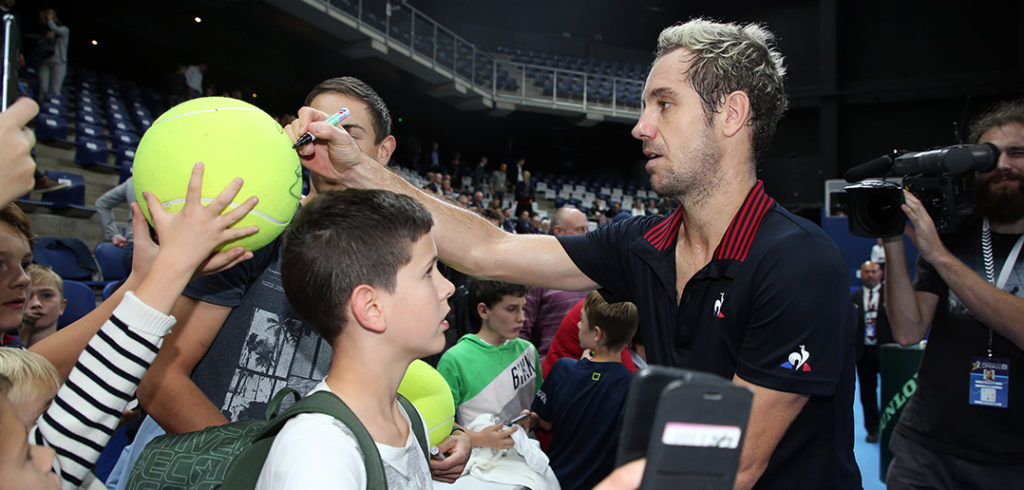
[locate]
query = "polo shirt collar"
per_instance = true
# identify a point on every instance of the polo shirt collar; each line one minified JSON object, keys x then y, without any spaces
{"x":737,"y":239}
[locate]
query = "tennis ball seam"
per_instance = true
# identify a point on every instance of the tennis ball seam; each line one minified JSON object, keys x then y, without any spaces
{"x":207,"y":200}
{"x":171,"y":118}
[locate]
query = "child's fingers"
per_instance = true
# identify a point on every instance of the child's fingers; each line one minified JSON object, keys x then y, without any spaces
{"x":236,"y":233}
{"x":227,"y":259}
{"x":156,"y":208}
{"x":140,"y":228}
{"x":240,"y":211}
{"x":195,"y":185}
{"x":226,"y":196}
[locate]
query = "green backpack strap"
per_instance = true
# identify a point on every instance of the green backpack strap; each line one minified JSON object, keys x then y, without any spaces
{"x":416,"y":424}
{"x":246,"y":467}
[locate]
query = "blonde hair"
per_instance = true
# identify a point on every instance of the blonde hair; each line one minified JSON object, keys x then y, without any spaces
{"x":41,"y":274}
{"x":728,"y":57}
{"x":31,"y":375}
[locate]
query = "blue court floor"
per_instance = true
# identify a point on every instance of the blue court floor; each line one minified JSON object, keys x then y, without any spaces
{"x":867,"y":454}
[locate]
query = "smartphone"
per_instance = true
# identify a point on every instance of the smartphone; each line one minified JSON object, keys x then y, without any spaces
{"x":517,"y":418}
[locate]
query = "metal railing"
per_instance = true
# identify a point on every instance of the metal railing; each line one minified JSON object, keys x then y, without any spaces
{"x":503,"y":80}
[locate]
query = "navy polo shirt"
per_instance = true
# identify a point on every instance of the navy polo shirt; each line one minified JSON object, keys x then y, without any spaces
{"x":772,"y":306}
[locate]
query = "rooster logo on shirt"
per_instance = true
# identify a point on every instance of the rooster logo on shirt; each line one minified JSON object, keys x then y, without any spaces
{"x":798,"y":361}
{"x":718,"y":305}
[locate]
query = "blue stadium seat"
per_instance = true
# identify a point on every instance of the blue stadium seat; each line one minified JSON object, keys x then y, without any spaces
{"x":89,"y":118}
{"x":111,"y":260}
{"x":92,"y":151}
{"x":69,"y":257}
{"x":94,"y":131}
{"x":47,"y":107}
{"x":69,"y":201}
{"x":81,"y":300}
{"x":51,"y":128}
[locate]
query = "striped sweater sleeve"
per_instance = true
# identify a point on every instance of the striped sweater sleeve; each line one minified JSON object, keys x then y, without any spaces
{"x":87,"y":408}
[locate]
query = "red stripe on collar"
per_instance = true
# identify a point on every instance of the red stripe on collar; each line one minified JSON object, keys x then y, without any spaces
{"x":664,"y":233}
{"x":740,"y":234}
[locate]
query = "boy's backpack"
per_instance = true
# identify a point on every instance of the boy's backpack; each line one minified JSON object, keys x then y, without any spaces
{"x":231,"y":456}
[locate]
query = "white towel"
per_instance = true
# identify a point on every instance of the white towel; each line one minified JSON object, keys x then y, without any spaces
{"x":524,"y":464}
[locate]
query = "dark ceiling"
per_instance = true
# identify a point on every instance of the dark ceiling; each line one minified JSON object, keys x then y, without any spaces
{"x":863,"y":77}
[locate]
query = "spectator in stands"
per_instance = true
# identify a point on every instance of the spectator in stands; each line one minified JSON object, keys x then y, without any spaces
{"x":638,"y":208}
{"x":463,"y":199}
{"x":16,"y":141}
{"x":545,"y":307}
{"x":480,"y":175}
{"x":123,"y":193}
{"x":45,"y":303}
{"x":525,"y":193}
{"x":194,"y":80}
{"x":581,"y":401}
{"x":537,"y":223}
{"x":479,"y":367}
{"x":434,"y":184}
{"x":217,"y":360}
{"x":711,"y":104}
{"x":177,"y":86}
{"x":435,"y":158}
{"x":456,"y":171}
{"x":491,"y":215}
{"x":517,"y":174}
{"x":510,"y":222}
{"x":524,"y":225}
{"x":651,"y":207}
{"x":478,"y":200}
{"x":54,"y":67}
{"x":499,"y":182}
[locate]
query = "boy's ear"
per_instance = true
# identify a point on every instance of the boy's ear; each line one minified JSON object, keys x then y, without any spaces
{"x":366,"y":308}
{"x":598,"y":334}
{"x":63,"y":304}
{"x":481,"y":309}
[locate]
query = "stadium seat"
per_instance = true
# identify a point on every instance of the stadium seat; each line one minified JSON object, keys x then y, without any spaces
{"x":110,"y":288}
{"x":93,"y":131}
{"x":92,"y":151}
{"x":51,"y":128}
{"x":111,"y":260}
{"x":81,"y":300}
{"x":68,"y":257}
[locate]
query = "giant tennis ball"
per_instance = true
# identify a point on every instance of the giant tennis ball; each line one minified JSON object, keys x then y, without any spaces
{"x":232,"y":139}
{"x":430,"y":394}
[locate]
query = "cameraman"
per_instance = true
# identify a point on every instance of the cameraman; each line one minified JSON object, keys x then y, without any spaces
{"x":960,"y":430}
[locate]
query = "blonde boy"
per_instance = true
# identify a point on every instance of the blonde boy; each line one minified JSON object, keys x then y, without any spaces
{"x":45,"y":304}
{"x":34,"y":382}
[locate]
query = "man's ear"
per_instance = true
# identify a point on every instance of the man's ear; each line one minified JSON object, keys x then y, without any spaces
{"x":366,"y":308}
{"x":735,"y":114}
{"x":385,"y":149}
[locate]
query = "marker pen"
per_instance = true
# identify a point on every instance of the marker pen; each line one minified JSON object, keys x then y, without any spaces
{"x":436,"y":452}
{"x":335,"y":118}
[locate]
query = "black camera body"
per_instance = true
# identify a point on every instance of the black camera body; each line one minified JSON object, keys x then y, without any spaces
{"x":941,"y":179}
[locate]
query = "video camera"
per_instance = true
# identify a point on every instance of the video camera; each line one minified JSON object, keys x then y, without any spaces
{"x":940,"y":178}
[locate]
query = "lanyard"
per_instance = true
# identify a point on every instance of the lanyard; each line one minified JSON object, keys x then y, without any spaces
{"x":990,"y":265}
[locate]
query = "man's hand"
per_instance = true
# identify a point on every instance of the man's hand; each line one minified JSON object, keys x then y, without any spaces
{"x":16,"y":142}
{"x":494,"y":437}
{"x":455,"y":448}
{"x":332,"y":154}
{"x":923,"y":234}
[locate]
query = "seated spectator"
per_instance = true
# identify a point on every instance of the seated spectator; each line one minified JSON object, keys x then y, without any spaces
{"x":45,"y":303}
{"x":123,"y":193}
{"x":383,"y":305}
{"x":492,"y":216}
{"x":478,"y":200}
{"x":524,"y":224}
{"x":581,"y":401}
{"x":492,"y":372}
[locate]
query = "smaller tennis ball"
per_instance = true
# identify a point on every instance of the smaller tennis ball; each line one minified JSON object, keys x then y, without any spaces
{"x":233,"y":139}
{"x":430,"y":394}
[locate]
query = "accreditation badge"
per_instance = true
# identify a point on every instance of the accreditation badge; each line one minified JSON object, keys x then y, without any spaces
{"x":871,"y":327}
{"x":990,"y":382}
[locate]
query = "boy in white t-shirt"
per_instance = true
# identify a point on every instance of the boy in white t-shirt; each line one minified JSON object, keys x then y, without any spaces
{"x":361,"y":267}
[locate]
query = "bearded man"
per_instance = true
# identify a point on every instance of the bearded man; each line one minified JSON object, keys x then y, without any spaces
{"x":963,"y":429}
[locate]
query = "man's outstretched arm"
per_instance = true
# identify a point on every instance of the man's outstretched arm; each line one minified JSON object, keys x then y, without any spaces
{"x":465,"y":240}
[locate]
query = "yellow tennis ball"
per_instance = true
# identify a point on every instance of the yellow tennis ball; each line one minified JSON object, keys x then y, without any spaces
{"x":430,"y":394}
{"x":232,"y":139}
